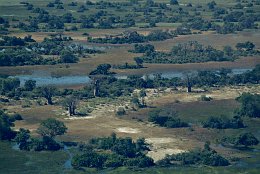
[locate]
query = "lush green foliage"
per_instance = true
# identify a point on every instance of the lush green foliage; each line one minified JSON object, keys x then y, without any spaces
{"x":134,"y":37}
{"x":6,"y":123}
{"x":166,"y":119}
{"x":207,"y":156}
{"x":244,"y":139}
{"x":250,"y":105}
{"x":223,"y":123}
{"x":113,"y":152}
{"x":51,"y":128}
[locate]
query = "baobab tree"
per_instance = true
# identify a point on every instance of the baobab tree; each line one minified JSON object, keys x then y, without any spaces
{"x":188,"y":80}
{"x":47,"y":92}
{"x":71,"y":104}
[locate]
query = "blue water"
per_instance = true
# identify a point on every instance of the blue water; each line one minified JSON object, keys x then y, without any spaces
{"x":42,"y":80}
{"x":57,"y":81}
{"x":67,"y":164}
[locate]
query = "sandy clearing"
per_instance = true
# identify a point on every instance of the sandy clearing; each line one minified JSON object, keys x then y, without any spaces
{"x":128,"y":130}
{"x":80,"y":118}
{"x":159,"y":154}
{"x":160,"y":140}
{"x":160,"y":147}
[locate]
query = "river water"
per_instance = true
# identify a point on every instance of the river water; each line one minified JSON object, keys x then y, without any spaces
{"x":43,"y":79}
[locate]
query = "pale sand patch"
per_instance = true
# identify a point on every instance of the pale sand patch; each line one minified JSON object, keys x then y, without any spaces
{"x":159,"y":154}
{"x":160,"y":147}
{"x":155,"y":141}
{"x":79,"y":118}
{"x":128,"y":130}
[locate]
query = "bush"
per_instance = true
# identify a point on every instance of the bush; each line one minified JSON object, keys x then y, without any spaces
{"x":207,"y":156}
{"x":162,"y":119}
{"x":223,"y":123}
{"x":120,"y":111}
{"x":205,"y":98}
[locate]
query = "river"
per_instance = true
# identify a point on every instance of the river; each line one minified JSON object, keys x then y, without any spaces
{"x":43,"y":79}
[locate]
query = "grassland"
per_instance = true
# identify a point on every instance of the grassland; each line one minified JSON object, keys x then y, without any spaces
{"x":102,"y":121}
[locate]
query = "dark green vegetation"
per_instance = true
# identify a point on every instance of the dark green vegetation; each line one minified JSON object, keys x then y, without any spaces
{"x":113,"y":152}
{"x":243,"y":139}
{"x":48,"y":129}
{"x":26,"y":52}
{"x":6,"y":122}
{"x":250,"y":105}
{"x":109,"y":86}
{"x":193,"y":52}
{"x":206,"y":156}
{"x":134,"y":37}
{"x":224,"y":123}
{"x":166,"y":119}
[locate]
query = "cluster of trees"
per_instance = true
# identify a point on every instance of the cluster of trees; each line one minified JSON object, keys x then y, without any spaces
{"x":250,"y":105}
{"x":138,"y":61}
{"x":48,"y":129}
{"x":140,"y":48}
{"x":32,"y":54}
{"x":22,"y":56}
{"x":237,"y":21}
{"x":194,"y":52}
{"x":206,"y":156}
{"x":102,"y":69}
{"x":57,"y":45}
{"x":191,"y":52}
{"x":109,"y":86}
{"x":223,"y":123}
{"x":166,"y":119}
{"x":133,"y":37}
{"x":113,"y":152}
{"x":6,"y":124}
{"x":235,"y":17}
{"x":241,"y":140}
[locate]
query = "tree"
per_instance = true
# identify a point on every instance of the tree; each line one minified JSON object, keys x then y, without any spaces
{"x":9,"y":84}
{"x":48,"y":92}
{"x":51,"y":128}
{"x":250,"y":105}
{"x":139,"y":61}
{"x":248,"y":46}
{"x":68,"y":57}
{"x":174,"y":2}
{"x":246,"y":139}
{"x":29,"y":85}
{"x":188,"y":81}
{"x":211,"y":5}
{"x":71,"y":103}
{"x":142,"y":95}
{"x":6,"y":132}
{"x":102,"y":69}
{"x":22,"y":138}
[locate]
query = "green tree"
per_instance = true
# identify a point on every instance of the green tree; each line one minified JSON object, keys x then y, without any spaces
{"x":70,"y":103}
{"x":47,"y":92}
{"x":142,"y":95}
{"x":139,"y":61}
{"x":246,"y":139}
{"x":102,"y":69}
{"x":29,"y":85}
{"x":68,"y":57}
{"x":6,"y":132}
{"x":250,"y":105}
{"x":174,"y":2}
{"x":51,"y":128}
{"x":22,"y":138}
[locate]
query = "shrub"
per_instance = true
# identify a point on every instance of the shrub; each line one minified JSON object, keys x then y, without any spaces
{"x":120,"y":111}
